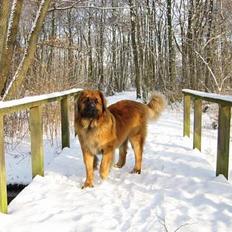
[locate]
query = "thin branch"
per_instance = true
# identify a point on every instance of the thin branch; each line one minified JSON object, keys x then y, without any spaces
{"x":210,"y":70}
{"x":186,"y":224}
{"x":62,"y":8}
{"x":177,"y":45}
{"x":106,"y":8}
{"x":224,"y":79}
{"x":213,"y":38}
{"x":163,"y":223}
{"x":74,"y":5}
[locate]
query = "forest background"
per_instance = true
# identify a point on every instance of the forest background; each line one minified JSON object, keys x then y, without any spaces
{"x":111,"y":45}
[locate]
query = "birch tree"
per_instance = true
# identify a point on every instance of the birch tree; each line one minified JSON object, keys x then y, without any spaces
{"x":29,"y":52}
{"x":10,"y":42}
{"x":4,"y":13}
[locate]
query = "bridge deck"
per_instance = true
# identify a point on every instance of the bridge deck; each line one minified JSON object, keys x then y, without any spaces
{"x":177,"y":188}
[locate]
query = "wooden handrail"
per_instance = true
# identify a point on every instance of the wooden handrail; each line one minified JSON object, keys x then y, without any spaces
{"x":28,"y":102}
{"x":211,"y":97}
{"x":223,"y":142}
{"x":34,"y":104}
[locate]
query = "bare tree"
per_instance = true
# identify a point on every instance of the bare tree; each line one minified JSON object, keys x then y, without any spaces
{"x":29,"y":51}
{"x":10,"y":42}
{"x":135,"y":48}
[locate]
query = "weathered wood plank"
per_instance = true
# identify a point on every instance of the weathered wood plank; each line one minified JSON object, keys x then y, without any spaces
{"x":65,"y":122}
{"x":197,"y":123}
{"x":211,"y":97}
{"x":223,"y":140}
{"x":3,"y":190}
{"x":29,"y":102}
{"x":37,"y":152}
{"x":187,"y":103}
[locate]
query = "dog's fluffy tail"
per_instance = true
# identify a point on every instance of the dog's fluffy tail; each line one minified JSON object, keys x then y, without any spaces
{"x":156,"y":105}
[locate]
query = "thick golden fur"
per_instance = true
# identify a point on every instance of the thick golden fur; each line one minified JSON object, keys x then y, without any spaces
{"x":102,"y":130}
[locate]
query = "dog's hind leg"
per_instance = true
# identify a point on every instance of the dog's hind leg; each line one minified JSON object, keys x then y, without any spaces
{"x":137,"y":142}
{"x":122,"y":155}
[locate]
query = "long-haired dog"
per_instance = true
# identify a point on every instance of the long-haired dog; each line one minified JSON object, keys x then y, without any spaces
{"x":102,"y":129}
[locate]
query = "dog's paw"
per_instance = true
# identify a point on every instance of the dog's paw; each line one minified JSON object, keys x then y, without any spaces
{"x":117,"y":165}
{"x":104,"y":175}
{"x":138,"y":171}
{"x":87,"y":185}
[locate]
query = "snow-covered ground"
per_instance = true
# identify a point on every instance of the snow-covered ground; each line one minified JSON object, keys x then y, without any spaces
{"x":176,"y":191}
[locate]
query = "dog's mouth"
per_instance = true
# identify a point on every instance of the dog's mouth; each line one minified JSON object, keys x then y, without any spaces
{"x":89,"y":112}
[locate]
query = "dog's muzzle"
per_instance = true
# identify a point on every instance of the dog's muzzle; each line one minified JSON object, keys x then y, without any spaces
{"x":89,"y":110}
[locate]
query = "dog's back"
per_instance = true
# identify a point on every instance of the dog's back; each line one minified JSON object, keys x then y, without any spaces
{"x":131,"y":117}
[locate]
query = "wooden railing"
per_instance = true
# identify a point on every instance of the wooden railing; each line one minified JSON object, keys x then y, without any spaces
{"x":35,"y":105}
{"x":224,"y":117}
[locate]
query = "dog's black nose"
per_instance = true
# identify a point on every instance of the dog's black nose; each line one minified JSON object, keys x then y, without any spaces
{"x":91,"y":103}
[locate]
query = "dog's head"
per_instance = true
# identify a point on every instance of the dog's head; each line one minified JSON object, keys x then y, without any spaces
{"x":91,"y":104}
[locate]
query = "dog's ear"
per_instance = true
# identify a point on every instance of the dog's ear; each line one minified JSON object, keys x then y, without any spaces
{"x":77,"y":100}
{"x":103,"y":101}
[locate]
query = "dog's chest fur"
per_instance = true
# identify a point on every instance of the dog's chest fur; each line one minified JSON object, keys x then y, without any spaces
{"x":99,"y":138}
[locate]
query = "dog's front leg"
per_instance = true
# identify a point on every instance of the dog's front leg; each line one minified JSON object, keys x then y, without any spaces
{"x":106,"y":163}
{"x":88,"y":159}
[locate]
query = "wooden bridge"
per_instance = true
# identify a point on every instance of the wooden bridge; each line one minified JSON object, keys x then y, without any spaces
{"x":224,"y":116}
{"x":35,"y":104}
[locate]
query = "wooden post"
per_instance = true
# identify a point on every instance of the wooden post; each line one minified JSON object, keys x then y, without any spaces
{"x":197,"y":123}
{"x":187,"y":101}
{"x":223,"y":140}
{"x":65,"y":123}
{"x":37,"y":153}
{"x":75,"y":112}
{"x":3,"y":190}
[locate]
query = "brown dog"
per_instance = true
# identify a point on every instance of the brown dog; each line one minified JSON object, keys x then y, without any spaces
{"x":102,"y":130}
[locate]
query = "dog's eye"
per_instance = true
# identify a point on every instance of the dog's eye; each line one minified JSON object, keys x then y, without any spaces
{"x":86,"y":100}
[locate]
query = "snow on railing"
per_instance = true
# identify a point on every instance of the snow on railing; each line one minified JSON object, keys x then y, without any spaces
{"x":34,"y":104}
{"x":224,"y":117}
{"x":212,"y":97}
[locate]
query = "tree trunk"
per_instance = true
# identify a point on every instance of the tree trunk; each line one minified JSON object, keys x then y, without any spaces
{"x":90,"y":58}
{"x":29,"y":52}
{"x":4,"y":13}
{"x":190,"y":47}
{"x":171,"y":50}
{"x":208,"y":47}
{"x":101,"y":52}
{"x":10,"y":43}
{"x":134,"y":48}
{"x":70,"y":47}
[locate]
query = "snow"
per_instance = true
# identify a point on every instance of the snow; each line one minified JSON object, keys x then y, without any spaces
{"x":176,"y":191}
